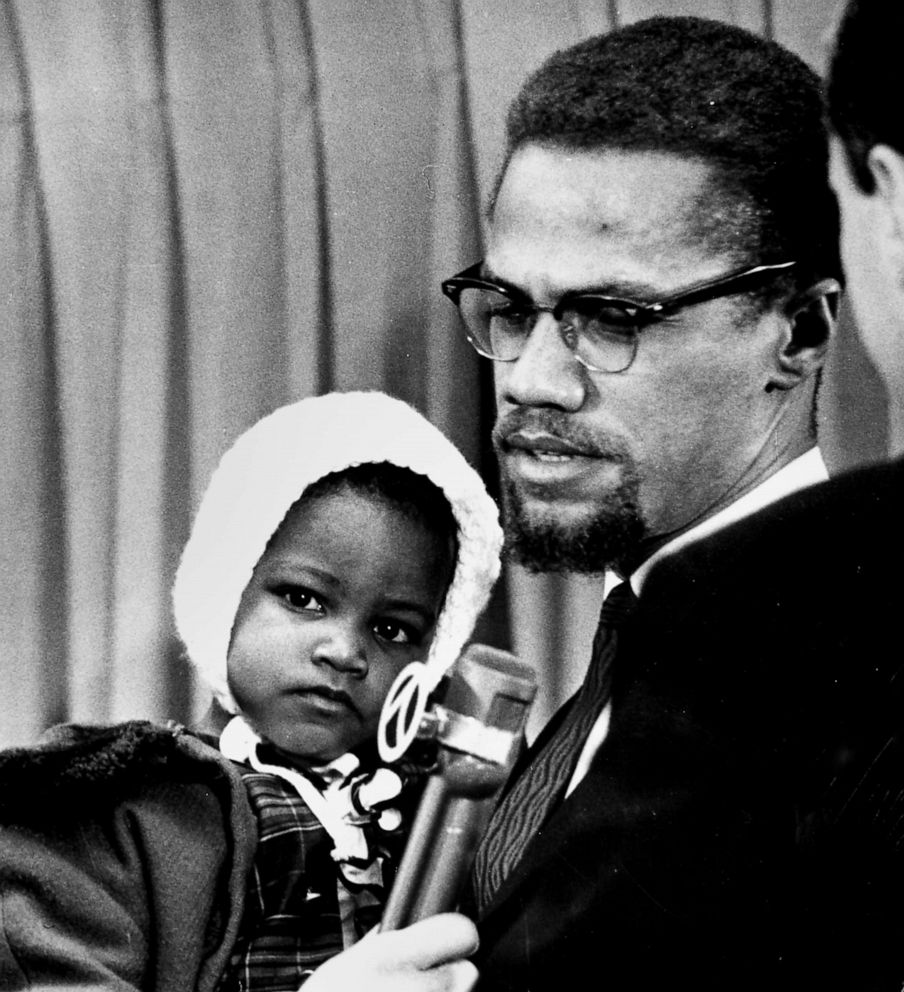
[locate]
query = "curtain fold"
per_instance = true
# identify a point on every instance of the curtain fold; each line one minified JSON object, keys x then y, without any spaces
{"x":213,"y":207}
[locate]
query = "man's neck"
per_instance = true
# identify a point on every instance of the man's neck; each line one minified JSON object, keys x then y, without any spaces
{"x":805,"y":469}
{"x":770,"y":460}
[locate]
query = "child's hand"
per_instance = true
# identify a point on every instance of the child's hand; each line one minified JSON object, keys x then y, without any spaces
{"x":428,"y":956}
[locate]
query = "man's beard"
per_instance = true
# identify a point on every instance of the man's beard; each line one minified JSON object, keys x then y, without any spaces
{"x":539,"y":539}
{"x":542,"y":543}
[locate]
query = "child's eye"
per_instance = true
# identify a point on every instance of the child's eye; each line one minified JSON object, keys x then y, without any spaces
{"x":299,"y":598}
{"x":395,"y":632}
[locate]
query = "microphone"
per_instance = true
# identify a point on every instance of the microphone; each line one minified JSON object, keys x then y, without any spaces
{"x":479,"y":728}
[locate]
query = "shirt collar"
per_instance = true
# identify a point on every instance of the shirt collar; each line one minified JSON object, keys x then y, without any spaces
{"x":806,"y":470}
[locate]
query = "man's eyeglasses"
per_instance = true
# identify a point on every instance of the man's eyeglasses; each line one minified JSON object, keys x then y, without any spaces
{"x":600,"y":330}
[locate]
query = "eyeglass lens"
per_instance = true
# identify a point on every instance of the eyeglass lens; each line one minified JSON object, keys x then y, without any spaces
{"x":602,"y":336}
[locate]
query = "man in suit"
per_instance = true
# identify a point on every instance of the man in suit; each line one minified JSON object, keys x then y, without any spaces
{"x":657,"y":360}
{"x":805,"y":598}
{"x":797,"y":608}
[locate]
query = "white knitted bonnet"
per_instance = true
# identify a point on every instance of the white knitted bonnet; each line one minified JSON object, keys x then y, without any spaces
{"x":268,"y":468}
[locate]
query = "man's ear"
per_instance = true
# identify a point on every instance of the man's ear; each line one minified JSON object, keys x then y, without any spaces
{"x":811,"y":316}
{"x":886,"y":166}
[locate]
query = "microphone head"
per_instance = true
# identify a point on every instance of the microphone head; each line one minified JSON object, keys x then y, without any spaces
{"x":480,"y":722}
{"x":486,"y":685}
{"x":491,"y":686}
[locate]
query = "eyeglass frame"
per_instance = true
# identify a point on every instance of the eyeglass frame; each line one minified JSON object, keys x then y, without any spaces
{"x":643,"y":315}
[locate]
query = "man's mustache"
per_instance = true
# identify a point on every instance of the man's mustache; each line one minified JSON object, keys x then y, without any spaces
{"x":558,"y":424}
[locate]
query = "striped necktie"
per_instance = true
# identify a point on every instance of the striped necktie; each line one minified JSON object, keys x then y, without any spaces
{"x":541,"y":786}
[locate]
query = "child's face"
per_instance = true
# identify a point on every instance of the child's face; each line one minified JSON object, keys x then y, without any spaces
{"x":345,"y":596}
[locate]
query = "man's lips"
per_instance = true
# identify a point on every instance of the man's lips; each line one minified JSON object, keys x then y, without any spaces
{"x":542,"y":444}
{"x":551,"y":466}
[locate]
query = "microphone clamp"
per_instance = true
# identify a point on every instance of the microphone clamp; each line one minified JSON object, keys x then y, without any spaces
{"x":468,"y":735}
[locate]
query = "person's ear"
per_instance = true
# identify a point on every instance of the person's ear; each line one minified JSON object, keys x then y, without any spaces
{"x":886,"y":166}
{"x":811,"y":316}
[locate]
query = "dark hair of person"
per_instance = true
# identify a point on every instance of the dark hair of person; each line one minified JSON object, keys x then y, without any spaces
{"x":410,"y":493}
{"x":864,"y":82}
{"x":702,"y":89}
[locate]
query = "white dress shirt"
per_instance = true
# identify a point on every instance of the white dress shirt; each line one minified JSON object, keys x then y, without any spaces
{"x":806,"y":470}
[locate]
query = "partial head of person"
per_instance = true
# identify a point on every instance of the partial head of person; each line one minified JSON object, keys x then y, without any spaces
{"x":867,"y":170}
{"x":658,"y":288}
{"x":341,"y":538}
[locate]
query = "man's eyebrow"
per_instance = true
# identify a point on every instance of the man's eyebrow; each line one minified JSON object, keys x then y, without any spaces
{"x":637,"y":292}
{"x":487,"y":273}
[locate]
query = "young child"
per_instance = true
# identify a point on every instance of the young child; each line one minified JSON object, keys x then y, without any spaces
{"x":340,"y":538}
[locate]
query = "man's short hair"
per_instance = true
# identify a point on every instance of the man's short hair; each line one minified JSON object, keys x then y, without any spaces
{"x":865,"y":79}
{"x":708,"y":90}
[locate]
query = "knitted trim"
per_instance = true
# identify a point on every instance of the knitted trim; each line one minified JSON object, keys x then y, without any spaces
{"x":268,"y":468}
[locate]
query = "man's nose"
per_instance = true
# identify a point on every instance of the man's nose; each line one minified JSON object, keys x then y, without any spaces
{"x":546,"y":373}
{"x":342,"y":648}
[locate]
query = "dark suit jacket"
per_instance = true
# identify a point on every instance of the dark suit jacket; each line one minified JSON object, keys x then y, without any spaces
{"x":743,"y":823}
